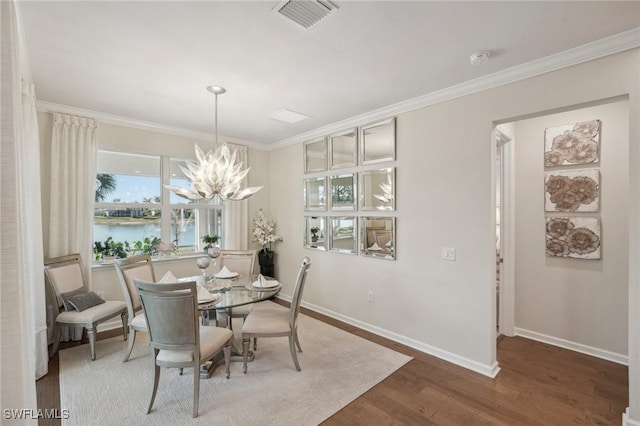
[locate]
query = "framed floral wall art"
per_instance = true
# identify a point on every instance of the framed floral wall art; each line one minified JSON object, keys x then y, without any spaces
{"x":576,"y":143}
{"x":577,"y":237}
{"x":572,"y":191}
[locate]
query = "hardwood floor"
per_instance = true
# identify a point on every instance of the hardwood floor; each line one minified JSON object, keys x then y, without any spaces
{"x":538,"y":384}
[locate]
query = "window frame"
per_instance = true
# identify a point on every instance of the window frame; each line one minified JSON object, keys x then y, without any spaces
{"x":214,"y":226}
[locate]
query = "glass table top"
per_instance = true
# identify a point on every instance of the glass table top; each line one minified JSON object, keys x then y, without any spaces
{"x":237,"y":292}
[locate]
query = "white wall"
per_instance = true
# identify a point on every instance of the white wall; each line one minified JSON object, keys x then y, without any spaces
{"x":444,"y":198}
{"x":580,"y":301}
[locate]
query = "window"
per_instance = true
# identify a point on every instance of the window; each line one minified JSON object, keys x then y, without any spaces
{"x":133,"y":206}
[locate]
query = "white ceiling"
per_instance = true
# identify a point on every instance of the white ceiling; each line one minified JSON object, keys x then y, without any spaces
{"x":152,"y":61}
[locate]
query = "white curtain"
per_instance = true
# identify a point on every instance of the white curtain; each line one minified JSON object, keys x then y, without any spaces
{"x":236,"y":213}
{"x":72,"y":192}
{"x":23,"y":349}
{"x":73,"y":176}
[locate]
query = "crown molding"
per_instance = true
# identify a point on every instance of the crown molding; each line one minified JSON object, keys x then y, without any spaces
{"x":587,"y":52}
{"x":584,"y":53}
{"x":102,"y":117}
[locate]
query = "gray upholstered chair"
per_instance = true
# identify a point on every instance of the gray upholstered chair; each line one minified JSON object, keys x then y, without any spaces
{"x":127,"y":269}
{"x":277,"y":322}
{"x":177,"y":338}
{"x":243,"y":262}
{"x":73,"y":307}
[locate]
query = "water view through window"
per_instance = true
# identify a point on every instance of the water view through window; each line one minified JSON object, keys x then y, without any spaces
{"x":130,"y":207}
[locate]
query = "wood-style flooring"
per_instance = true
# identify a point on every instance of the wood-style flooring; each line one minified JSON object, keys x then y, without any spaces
{"x":538,"y":384}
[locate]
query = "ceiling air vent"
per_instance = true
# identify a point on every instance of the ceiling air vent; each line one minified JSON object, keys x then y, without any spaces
{"x":305,"y":12}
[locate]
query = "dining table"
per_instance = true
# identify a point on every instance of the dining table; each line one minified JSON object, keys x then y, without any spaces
{"x":229,"y":293}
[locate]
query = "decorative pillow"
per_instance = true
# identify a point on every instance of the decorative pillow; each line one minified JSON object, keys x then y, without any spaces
{"x":65,"y":296}
{"x":83,"y":301}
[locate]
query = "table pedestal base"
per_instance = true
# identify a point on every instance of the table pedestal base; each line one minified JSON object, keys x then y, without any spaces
{"x":207,"y":368}
{"x":221,"y":317}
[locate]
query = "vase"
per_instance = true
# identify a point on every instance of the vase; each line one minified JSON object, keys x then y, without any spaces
{"x":266,"y":261}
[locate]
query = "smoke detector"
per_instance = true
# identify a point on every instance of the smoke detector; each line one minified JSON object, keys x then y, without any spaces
{"x":305,"y":13}
{"x":479,"y":57}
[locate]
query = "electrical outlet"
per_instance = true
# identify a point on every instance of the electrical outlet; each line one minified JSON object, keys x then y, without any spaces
{"x":448,"y":253}
{"x":370,"y":297}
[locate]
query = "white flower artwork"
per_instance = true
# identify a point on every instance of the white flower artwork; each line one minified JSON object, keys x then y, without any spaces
{"x":577,"y":237}
{"x":577,"y":143}
{"x":572,"y":191}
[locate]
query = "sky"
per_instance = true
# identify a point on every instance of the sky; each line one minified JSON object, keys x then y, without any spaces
{"x":132,"y":189}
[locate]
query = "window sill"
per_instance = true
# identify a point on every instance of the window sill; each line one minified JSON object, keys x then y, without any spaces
{"x":99,"y":266}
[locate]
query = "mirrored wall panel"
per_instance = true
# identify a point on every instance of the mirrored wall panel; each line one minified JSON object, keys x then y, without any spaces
{"x":315,"y":193}
{"x":315,"y":155}
{"x":344,"y":234}
{"x":378,"y":237}
{"x":314,"y":233}
{"x":343,"y":149}
{"x":377,"y":189}
{"x":343,"y":191}
{"x":378,"y":142}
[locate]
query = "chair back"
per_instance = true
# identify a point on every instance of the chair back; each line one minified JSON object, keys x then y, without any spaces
{"x":241,"y":261}
{"x":297,"y":292}
{"x":172,"y":314}
{"x":139,"y":267}
{"x":64,"y":274}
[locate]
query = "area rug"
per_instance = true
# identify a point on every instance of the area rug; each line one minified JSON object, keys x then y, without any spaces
{"x":337,"y":367}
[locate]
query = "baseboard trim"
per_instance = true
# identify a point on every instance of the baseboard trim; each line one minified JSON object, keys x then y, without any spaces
{"x":577,"y":347}
{"x":626,"y":421}
{"x":484,"y":369}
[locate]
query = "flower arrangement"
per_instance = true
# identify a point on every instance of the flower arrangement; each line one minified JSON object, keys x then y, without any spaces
{"x":264,"y":233}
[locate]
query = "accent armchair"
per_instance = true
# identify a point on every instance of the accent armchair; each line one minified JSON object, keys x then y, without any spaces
{"x":76,"y":306}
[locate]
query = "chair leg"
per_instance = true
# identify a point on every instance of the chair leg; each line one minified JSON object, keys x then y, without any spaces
{"x":132,"y":340}
{"x":125,"y":320}
{"x":227,"y":359}
{"x":255,"y":343}
{"x":91,"y":333}
{"x":156,"y":379}
{"x":297,"y":341}
{"x":245,"y":353}
{"x":57,"y":331}
{"x":196,"y":387}
{"x":292,"y":348}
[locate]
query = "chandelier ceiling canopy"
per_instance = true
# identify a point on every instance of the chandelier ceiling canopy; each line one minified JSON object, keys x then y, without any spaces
{"x":216,"y":174}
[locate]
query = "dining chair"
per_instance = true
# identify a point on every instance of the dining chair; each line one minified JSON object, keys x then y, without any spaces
{"x":177,"y":338}
{"x":277,"y":322}
{"x":243,"y":262}
{"x":127,"y":269}
{"x":75,"y":306}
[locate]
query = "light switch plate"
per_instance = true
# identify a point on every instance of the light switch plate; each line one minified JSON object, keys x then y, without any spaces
{"x":448,"y":253}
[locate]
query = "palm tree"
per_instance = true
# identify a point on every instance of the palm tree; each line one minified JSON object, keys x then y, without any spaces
{"x":105,"y":184}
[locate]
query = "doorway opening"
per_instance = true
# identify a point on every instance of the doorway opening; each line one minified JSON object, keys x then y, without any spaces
{"x":549,"y":296}
{"x":503,"y":137}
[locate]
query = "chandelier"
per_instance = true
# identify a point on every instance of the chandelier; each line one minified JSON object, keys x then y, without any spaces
{"x":216,"y":174}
